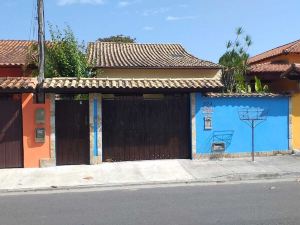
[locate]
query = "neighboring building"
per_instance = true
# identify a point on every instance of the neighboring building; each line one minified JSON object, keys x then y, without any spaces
{"x":146,"y":61}
{"x":278,"y":68}
{"x":14,"y":58}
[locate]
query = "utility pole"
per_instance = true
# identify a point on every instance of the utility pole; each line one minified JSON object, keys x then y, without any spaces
{"x":41,"y":40}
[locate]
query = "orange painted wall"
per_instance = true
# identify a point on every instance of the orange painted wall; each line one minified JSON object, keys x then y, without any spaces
{"x":33,"y":151}
{"x":296,"y":120}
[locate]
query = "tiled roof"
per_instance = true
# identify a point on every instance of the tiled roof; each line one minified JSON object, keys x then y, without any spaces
{"x":236,"y":95}
{"x":268,"y":68}
{"x":293,"y":47}
{"x":128,"y":55}
{"x":292,"y":72}
{"x":13,"y":52}
{"x":103,"y":83}
{"x":18,"y":84}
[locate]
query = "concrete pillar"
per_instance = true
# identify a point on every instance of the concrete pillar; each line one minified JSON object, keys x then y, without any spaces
{"x":52,"y":124}
{"x":95,"y":108}
{"x":193,"y":123}
{"x":52,"y":160}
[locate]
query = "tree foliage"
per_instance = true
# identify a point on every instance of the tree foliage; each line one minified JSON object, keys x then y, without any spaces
{"x":259,"y":88}
{"x":118,"y":39}
{"x":235,"y":65}
{"x":64,"y":55}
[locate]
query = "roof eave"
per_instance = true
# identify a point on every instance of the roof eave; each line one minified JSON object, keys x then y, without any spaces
{"x":11,"y":64}
{"x":16,"y":90}
{"x":129,"y":90}
{"x":271,"y":57}
{"x":153,"y":67}
{"x":293,"y":73}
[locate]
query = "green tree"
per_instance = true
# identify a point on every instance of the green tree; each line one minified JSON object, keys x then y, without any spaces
{"x":118,"y":38}
{"x":64,"y":55}
{"x":259,"y":88}
{"x":234,"y":61}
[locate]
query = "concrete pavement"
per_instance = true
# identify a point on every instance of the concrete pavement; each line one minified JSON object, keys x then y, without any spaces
{"x":150,"y":172}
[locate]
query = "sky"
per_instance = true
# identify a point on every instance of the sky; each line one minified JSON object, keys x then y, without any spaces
{"x":202,"y":26}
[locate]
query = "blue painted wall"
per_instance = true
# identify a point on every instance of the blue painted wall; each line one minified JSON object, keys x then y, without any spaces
{"x":269,"y":136}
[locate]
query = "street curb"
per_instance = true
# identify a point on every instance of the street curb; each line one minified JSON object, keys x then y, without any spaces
{"x":213,"y":180}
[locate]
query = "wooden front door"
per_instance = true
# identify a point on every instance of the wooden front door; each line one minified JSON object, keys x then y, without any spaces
{"x":72,"y":132}
{"x":11,"y":146}
{"x":143,"y":129}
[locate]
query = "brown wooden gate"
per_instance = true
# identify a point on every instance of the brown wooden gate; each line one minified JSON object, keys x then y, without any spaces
{"x":143,"y":129}
{"x":11,"y":146}
{"x":72,"y":132}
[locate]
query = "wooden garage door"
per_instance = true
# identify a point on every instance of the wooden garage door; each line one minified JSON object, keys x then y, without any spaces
{"x":11,"y":147}
{"x":72,"y":132}
{"x":142,"y":129}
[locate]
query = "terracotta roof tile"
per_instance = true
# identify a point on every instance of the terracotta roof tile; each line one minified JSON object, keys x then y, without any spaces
{"x":293,"y":47}
{"x":268,"y":68}
{"x":292,"y":72}
{"x":124,"y":55}
{"x":14,"y":52}
{"x":18,"y":83}
{"x":236,"y":95}
{"x":109,"y":83}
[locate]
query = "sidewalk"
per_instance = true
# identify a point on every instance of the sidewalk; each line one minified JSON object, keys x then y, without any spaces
{"x":149,"y":172}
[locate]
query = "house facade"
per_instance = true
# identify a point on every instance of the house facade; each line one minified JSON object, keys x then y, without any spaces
{"x":139,"y":103}
{"x":14,"y":58}
{"x":17,"y":144}
{"x":269,"y":66}
{"x":137,"y":108}
{"x":279,"y":68}
{"x":146,"y":102}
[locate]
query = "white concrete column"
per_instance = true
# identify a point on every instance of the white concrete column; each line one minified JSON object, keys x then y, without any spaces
{"x":95,"y":110}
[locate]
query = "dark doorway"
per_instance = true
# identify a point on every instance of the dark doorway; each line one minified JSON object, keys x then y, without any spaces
{"x":72,"y":132}
{"x":11,"y":146}
{"x":135,"y":128}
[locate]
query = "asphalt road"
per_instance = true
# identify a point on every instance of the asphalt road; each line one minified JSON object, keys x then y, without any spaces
{"x":237,"y":204}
